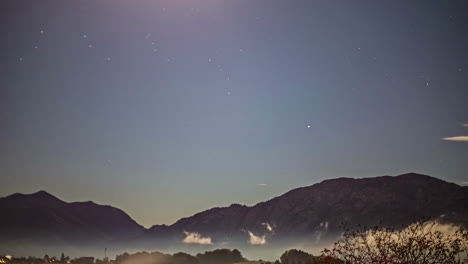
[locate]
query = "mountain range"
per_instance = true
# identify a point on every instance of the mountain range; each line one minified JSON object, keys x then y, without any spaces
{"x":313,"y":212}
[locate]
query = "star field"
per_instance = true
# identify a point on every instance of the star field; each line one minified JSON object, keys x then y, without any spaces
{"x":206,"y":103}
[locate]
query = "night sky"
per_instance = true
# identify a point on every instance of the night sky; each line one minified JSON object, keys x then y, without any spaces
{"x":167,"y":108}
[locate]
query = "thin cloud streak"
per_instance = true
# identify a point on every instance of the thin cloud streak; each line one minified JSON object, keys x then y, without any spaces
{"x":460,"y":138}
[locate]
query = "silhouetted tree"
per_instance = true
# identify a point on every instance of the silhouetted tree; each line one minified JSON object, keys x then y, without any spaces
{"x":183,"y":258}
{"x":83,"y":260}
{"x":221,"y":256}
{"x":416,"y":244}
{"x":295,"y":256}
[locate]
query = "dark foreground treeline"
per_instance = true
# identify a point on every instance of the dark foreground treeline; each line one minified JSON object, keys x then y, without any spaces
{"x":218,"y":256}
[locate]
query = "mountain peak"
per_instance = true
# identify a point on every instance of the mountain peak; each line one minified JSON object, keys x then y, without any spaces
{"x":414,"y":175}
{"x":406,"y":177}
{"x":40,"y":198}
{"x":43,"y":195}
{"x":38,"y":194}
{"x":420,"y":178}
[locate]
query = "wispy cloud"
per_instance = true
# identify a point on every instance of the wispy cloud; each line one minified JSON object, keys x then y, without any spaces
{"x":256,"y":240}
{"x":268,"y":226}
{"x":460,"y":138}
{"x":464,"y":183}
{"x":262,"y":184}
{"x":324,"y":225}
{"x":196,"y":238}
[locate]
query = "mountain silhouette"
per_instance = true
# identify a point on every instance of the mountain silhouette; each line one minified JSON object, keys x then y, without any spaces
{"x":329,"y":206}
{"x":43,"y":216}
{"x":314,"y":212}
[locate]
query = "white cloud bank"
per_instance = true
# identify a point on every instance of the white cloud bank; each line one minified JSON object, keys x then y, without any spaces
{"x":256,"y":240}
{"x":196,"y":238}
{"x":460,"y":138}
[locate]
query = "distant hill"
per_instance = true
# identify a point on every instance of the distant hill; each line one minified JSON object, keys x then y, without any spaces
{"x":315,"y":212}
{"x":43,"y":217}
{"x":324,"y":207}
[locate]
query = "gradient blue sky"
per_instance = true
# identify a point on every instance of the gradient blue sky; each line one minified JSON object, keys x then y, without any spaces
{"x":166,"y":108}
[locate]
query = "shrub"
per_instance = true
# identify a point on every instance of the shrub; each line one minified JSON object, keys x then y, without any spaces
{"x":419,"y":243}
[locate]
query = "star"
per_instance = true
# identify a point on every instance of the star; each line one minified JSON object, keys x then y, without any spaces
{"x":308,"y":126}
{"x":90,"y":45}
{"x":42,"y":31}
{"x":85,"y":36}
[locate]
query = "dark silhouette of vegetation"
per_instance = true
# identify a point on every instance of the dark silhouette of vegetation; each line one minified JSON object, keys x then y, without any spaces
{"x":184,"y":258}
{"x":295,"y":256}
{"x":221,"y":256}
{"x":419,"y":243}
{"x":83,"y":260}
{"x":33,"y":260}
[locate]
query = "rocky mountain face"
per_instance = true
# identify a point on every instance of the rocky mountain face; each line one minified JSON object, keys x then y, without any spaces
{"x":328,"y":206}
